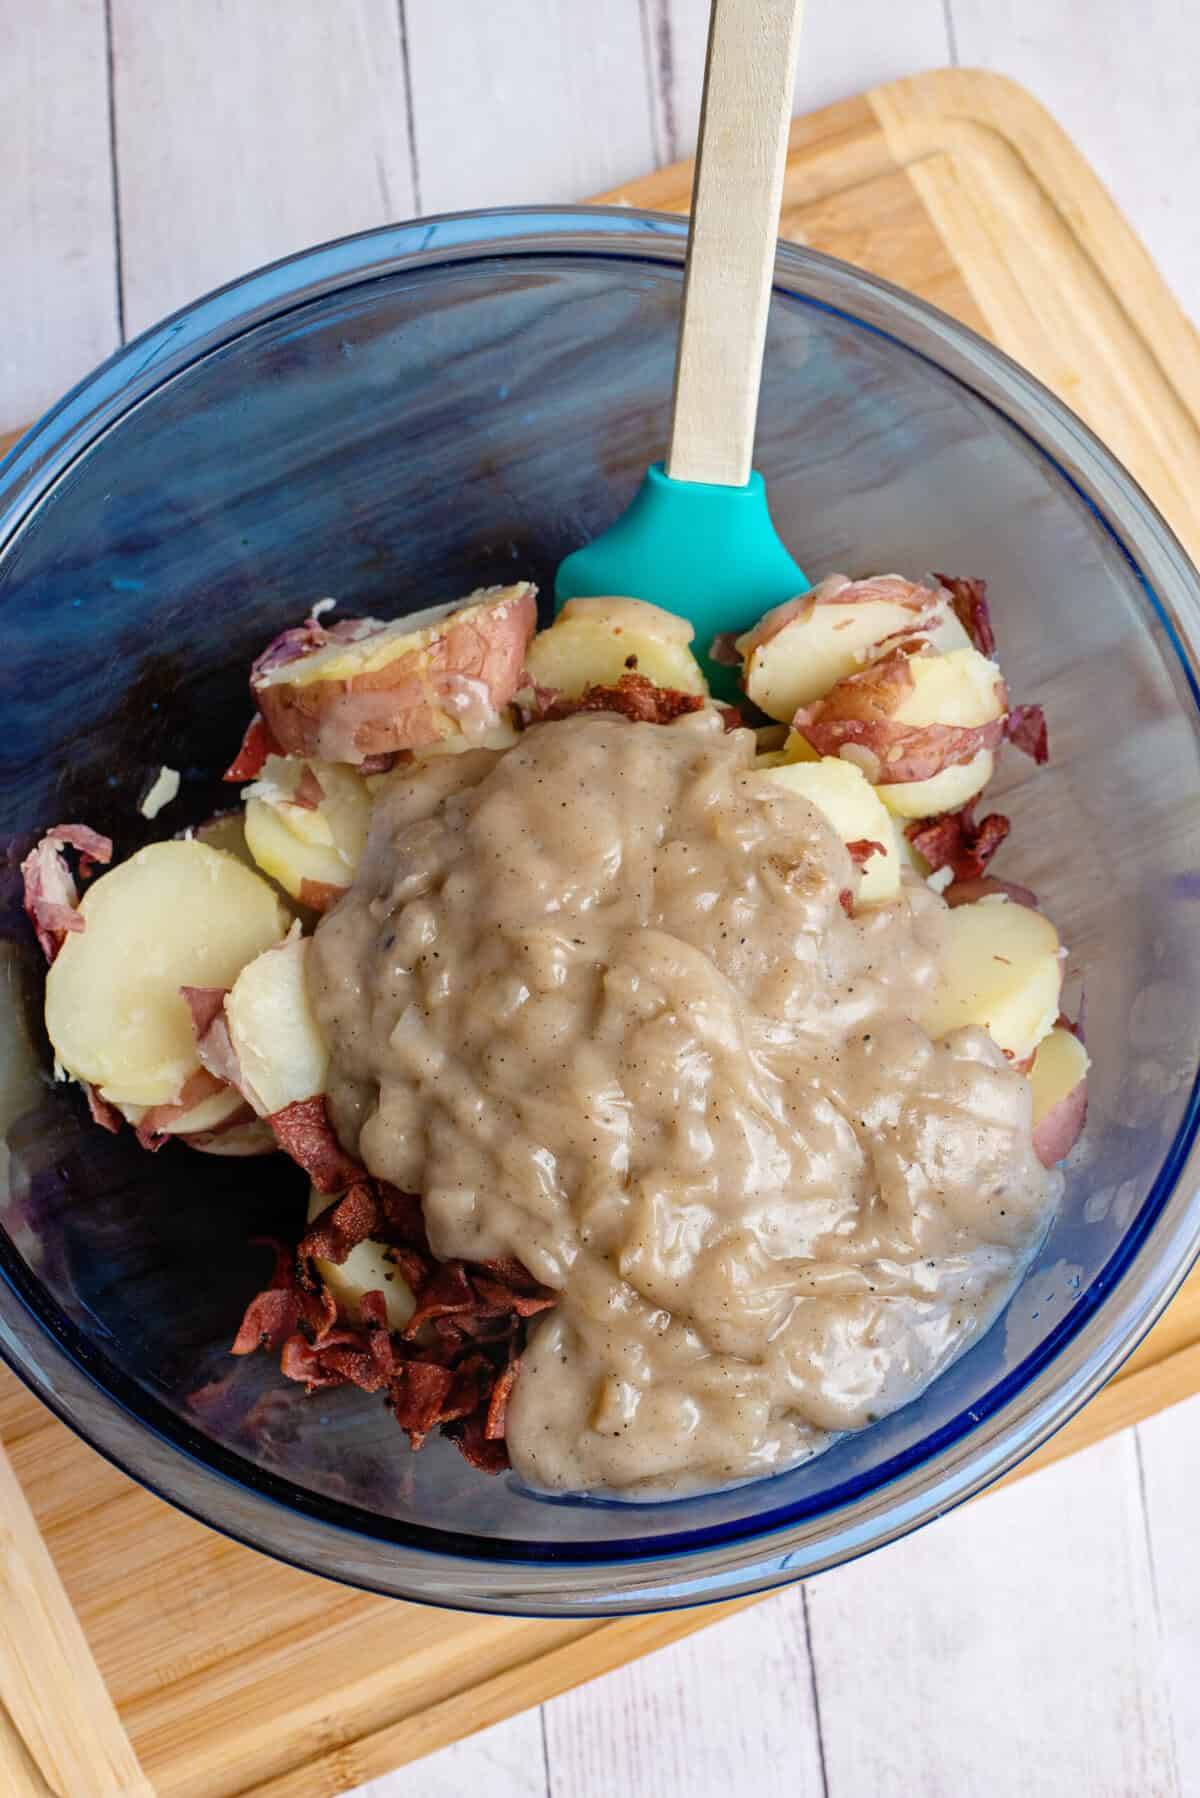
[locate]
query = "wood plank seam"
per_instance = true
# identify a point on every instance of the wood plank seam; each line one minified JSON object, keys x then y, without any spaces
{"x":114,"y":172}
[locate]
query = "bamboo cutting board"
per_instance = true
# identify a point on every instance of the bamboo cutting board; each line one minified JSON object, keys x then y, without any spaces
{"x":166,"y":1660}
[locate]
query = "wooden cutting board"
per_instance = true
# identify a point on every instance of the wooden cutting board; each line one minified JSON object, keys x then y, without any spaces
{"x":222,"y":1673}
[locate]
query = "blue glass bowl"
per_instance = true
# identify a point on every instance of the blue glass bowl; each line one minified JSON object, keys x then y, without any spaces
{"x":395,"y":419}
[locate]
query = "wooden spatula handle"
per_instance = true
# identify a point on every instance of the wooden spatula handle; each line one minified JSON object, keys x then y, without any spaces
{"x":744,"y":117}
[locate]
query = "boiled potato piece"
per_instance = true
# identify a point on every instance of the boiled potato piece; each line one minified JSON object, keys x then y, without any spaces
{"x":1000,"y":969}
{"x":961,"y":687}
{"x":281,"y":1055}
{"x":922,"y":726}
{"x":305,"y":848}
{"x":953,"y":787}
{"x":365,"y":1269}
{"x":365,"y":688}
{"x":212,"y":1125}
{"x":798,"y":749}
{"x":846,"y":799}
{"x":796,"y":654}
{"x":206,"y":1114}
{"x":176,"y":914}
{"x":503,"y":734}
{"x":594,"y":641}
{"x":251,"y":1138}
{"x":1058,"y":1078}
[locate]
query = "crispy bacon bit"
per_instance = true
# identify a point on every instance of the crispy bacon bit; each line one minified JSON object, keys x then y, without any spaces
{"x":206,"y":1004}
{"x":1026,"y":731}
{"x":270,"y":1318}
{"x":633,"y":697}
{"x":104,"y":1114}
{"x":969,"y":599}
{"x":846,"y":901}
{"x":446,"y":1293}
{"x":340,"y":1228}
{"x":382,"y":763}
{"x":954,"y":840}
{"x":304,"y":1132}
{"x":453,"y":1366}
{"x":308,"y":792}
{"x":257,"y":745}
{"x":470,"y":1438}
{"x":51,"y":896}
{"x":497,"y":1410}
{"x":319,"y":895}
{"x":418,"y":1397}
{"x":862,"y":849}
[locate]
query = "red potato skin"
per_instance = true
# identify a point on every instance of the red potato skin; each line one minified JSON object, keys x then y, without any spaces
{"x":411,"y":701}
{"x":840,"y":590}
{"x":1061,"y":1127}
{"x":965,"y":892}
{"x":859,"y":710}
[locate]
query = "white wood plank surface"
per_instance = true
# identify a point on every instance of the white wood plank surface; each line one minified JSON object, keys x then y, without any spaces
{"x":1011,"y":1648}
{"x":56,"y":211}
{"x":1122,"y":80}
{"x":730,"y":1711}
{"x":520,"y":101}
{"x":1170,"y":1450}
{"x":246,"y":129}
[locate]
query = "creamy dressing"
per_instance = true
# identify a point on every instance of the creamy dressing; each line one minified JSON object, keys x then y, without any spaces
{"x":597,"y":999}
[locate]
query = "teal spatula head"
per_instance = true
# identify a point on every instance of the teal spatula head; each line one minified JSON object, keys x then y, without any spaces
{"x":709,"y":553}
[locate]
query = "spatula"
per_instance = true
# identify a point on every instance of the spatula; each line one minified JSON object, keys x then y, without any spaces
{"x":698,"y":537}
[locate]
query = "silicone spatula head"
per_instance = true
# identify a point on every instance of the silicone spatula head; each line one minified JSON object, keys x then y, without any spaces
{"x":707,"y":552}
{"x":698,"y":538}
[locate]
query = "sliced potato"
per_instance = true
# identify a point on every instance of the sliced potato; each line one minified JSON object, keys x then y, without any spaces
{"x":798,"y":749}
{"x":365,"y":1269}
{"x":176,"y":914}
{"x":798,"y":653}
{"x":295,"y":844}
{"x":1058,"y":1078}
{"x":961,"y":687}
{"x":208,"y":1115}
{"x":503,"y":734}
{"x":1000,"y":969}
{"x":364,"y":688}
{"x":846,"y":799}
{"x":280,"y":1052}
{"x":946,"y":791}
{"x":251,"y":1138}
{"x":594,"y":641}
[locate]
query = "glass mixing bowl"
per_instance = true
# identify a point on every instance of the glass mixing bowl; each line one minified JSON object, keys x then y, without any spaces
{"x":395,"y":419}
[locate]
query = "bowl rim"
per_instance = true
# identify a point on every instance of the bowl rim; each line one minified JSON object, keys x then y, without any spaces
{"x":1100,"y":1328}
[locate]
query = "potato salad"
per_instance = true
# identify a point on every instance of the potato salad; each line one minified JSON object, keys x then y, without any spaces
{"x":673,"y":1086}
